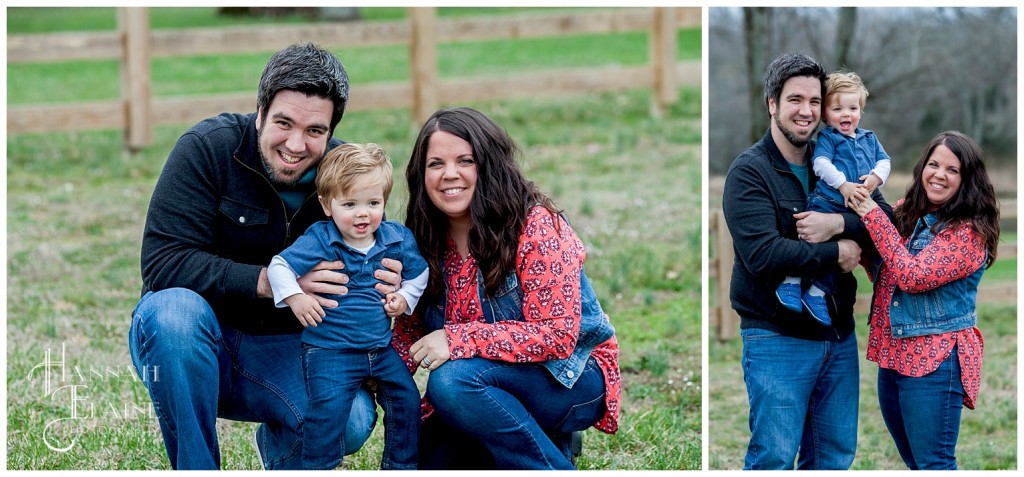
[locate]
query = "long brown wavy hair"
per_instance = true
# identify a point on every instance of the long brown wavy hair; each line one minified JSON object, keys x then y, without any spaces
{"x":975,"y":202}
{"x":500,"y":204}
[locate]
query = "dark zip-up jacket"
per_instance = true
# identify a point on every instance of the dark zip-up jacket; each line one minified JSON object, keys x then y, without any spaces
{"x":215,"y":220}
{"x":761,"y":195}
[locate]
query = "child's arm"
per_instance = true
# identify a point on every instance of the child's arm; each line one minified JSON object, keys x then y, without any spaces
{"x":877,"y":177}
{"x":826,"y":171}
{"x":870,"y":182}
{"x":285,"y":286}
{"x":283,"y":281}
{"x":306,"y":309}
{"x":410,"y":292}
{"x":849,"y":191}
{"x":395,"y":304}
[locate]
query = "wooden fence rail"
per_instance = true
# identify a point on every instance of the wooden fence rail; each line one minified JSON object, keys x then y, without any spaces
{"x":134,"y":45}
{"x":726,"y":323}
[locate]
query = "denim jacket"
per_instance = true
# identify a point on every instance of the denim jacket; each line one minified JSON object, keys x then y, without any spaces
{"x":507,"y":304}
{"x":950,"y":307}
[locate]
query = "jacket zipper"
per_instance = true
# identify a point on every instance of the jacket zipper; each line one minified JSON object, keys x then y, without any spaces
{"x":284,"y":208}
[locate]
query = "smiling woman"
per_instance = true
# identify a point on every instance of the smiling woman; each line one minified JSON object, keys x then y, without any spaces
{"x":521,"y":355}
{"x":450,"y":179}
{"x":941,"y":174}
{"x":923,"y":325}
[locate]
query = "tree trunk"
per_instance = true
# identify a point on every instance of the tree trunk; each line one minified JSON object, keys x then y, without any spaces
{"x":757,"y":36}
{"x":844,"y":35}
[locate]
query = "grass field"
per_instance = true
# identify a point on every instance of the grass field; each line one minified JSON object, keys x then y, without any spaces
{"x":76,"y":206}
{"x":988,"y":434}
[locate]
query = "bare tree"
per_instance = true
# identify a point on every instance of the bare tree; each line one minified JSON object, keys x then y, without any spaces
{"x":844,"y":34}
{"x":757,"y":30}
{"x":927,"y":69}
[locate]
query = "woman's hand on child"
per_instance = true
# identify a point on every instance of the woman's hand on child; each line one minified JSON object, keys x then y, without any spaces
{"x":862,"y":207}
{"x":859,"y":195}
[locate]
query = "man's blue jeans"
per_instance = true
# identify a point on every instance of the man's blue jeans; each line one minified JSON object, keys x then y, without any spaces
{"x":923,"y":414}
{"x":494,"y":414}
{"x":333,"y":379}
{"x":803,"y":398}
{"x":200,"y":371}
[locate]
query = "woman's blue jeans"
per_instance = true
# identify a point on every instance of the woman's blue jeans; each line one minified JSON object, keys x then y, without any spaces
{"x":803,"y":397}
{"x":200,"y":371}
{"x":923,"y":414}
{"x":494,"y":414}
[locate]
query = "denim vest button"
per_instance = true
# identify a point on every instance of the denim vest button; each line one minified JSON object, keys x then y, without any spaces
{"x":241,"y":219}
{"x":570,"y":374}
{"x":899,"y":332}
{"x":895,"y":303}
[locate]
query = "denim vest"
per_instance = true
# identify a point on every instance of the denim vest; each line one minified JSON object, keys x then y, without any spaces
{"x":507,"y":305}
{"x":949,"y":307}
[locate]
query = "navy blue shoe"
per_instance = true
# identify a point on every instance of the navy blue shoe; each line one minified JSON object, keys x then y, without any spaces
{"x":789,"y":296}
{"x":816,"y":306}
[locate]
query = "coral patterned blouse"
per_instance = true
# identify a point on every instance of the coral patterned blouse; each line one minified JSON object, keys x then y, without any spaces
{"x":958,"y":245}
{"x":551,"y":306}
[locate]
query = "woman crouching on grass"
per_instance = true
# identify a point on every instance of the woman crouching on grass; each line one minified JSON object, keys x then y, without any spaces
{"x":922,"y":325}
{"x":519,"y":352}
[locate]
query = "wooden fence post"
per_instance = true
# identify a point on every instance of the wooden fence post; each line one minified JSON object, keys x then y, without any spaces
{"x":663,"y":59}
{"x":133,"y":23}
{"x":423,"y":61}
{"x":728,"y":320}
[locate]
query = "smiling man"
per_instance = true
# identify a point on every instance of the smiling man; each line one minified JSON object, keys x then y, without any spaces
{"x":801,"y":375}
{"x":236,"y":190}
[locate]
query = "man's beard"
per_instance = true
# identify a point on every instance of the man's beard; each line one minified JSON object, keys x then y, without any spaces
{"x":273,"y":177}
{"x":271,"y":174}
{"x":790,"y":135}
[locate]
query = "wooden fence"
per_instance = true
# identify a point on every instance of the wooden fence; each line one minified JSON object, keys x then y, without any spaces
{"x":135,"y":45}
{"x":726,"y":323}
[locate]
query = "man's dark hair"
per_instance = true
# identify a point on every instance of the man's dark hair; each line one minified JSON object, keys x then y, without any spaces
{"x":787,"y":66}
{"x":308,"y":69}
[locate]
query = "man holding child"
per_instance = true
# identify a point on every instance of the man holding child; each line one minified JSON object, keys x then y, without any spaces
{"x":801,"y":374}
{"x":235,"y":191}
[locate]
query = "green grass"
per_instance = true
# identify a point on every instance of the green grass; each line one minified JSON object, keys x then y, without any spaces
{"x":76,"y":207}
{"x":988,"y":434}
